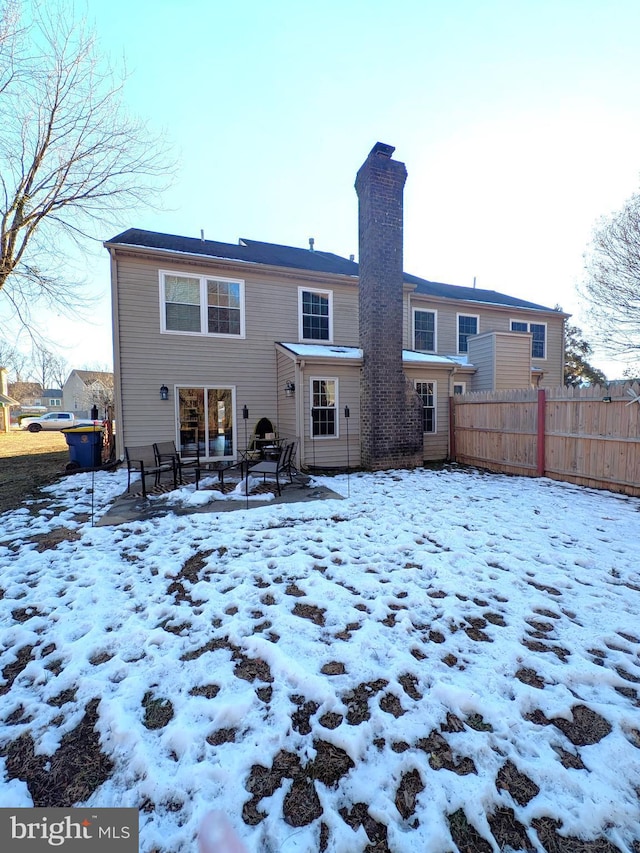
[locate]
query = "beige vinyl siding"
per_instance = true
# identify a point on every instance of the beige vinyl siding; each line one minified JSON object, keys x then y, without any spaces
{"x":502,"y":361}
{"x":512,"y":360}
{"x":150,"y":358}
{"x":492,"y":318}
{"x":482,"y":354}
{"x":286,"y":405}
{"x":436,"y":445}
{"x":332,"y":452}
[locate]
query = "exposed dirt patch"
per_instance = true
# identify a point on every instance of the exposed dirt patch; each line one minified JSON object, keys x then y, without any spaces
{"x":521,"y":788}
{"x":357,"y":701}
{"x":410,"y":786}
{"x":71,"y":774}
{"x":553,"y":842}
{"x":157,"y":711}
{"x":441,"y":756}
{"x":47,"y":541}
{"x":466,"y":837}
{"x":310,"y":611}
{"x":12,"y":670}
{"x":29,"y":461}
{"x":509,"y":832}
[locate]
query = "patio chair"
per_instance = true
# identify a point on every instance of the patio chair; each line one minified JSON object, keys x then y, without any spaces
{"x":143,"y":459}
{"x":274,"y":467}
{"x":166,"y":451}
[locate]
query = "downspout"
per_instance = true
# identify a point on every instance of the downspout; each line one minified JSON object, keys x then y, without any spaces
{"x":451,"y":450}
{"x":299,"y":383}
{"x":117,"y":384}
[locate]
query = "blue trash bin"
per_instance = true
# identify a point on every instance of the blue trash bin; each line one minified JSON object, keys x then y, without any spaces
{"x":85,"y":446}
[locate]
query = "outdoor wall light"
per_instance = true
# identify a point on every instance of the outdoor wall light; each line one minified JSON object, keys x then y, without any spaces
{"x":164,"y":392}
{"x":290,"y":389}
{"x":606,"y":399}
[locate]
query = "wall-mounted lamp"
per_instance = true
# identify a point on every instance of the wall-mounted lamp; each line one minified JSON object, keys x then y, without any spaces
{"x":289,"y":389}
{"x":606,"y":399}
{"x":164,"y":392}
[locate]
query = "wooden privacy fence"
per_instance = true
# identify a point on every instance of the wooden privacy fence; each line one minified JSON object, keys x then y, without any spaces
{"x":589,"y":436}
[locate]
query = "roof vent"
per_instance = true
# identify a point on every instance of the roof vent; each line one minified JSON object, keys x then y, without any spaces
{"x":202,"y":235}
{"x":352,"y":257}
{"x":311,"y":242}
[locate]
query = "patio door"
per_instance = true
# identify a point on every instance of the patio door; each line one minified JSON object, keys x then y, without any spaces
{"x":205,"y":422}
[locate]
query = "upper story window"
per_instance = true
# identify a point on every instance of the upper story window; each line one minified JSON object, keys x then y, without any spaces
{"x":424,"y":330}
{"x":324,"y":407}
{"x":201,"y":305}
{"x":468,"y":324}
{"x":315,"y":315}
{"x":538,"y":336}
{"x":55,"y":401}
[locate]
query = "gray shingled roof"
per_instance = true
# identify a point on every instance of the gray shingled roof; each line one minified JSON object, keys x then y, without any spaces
{"x":271,"y":254}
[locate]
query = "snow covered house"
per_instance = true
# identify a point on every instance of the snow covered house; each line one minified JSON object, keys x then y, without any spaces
{"x":354,"y":360}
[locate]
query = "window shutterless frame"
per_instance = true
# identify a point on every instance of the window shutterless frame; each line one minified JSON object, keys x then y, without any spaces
{"x":538,"y":333}
{"x":315,"y":315}
{"x":324,"y":407}
{"x":428,"y":392}
{"x":466,"y":325}
{"x":425,"y":330}
{"x":208,"y":305}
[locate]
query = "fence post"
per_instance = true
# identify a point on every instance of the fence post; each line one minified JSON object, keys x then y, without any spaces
{"x":542,"y":410}
{"x":452,"y":431}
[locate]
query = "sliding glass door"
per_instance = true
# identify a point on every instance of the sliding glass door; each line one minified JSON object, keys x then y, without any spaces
{"x":205,"y":422}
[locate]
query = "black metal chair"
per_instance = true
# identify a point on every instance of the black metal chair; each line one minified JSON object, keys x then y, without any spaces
{"x":143,"y":459}
{"x":274,"y":467}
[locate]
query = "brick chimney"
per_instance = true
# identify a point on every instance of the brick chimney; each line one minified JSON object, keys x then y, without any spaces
{"x":391,"y":415}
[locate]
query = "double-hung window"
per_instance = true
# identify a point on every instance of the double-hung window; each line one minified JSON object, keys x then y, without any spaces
{"x":467,"y":325}
{"x":201,"y":305}
{"x":538,"y":336}
{"x":324,"y":408}
{"x":315,"y":315}
{"x":427,"y":393}
{"x":424,"y":330}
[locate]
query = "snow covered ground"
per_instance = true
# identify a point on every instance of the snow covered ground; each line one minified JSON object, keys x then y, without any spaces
{"x":443,"y":660}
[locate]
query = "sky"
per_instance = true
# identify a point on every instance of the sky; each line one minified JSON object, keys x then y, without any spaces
{"x":517,"y":120}
{"x":429,"y":644}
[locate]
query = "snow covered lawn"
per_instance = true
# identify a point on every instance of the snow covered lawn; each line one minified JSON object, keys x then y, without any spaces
{"x":445,"y":660}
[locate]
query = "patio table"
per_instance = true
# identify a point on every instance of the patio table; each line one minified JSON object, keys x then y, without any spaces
{"x":218,"y":466}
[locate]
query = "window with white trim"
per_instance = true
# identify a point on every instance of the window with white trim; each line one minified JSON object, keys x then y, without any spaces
{"x":459,"y":387}
{"x":427,"y":393}
{"x":315,"y":315}
{"x":424,"y":330}
{"x":201,"y":305}
{"x":324,"y":408}
{"x":538,"y":336}
{"x":468,"y":324}
{"x":55,"y":401}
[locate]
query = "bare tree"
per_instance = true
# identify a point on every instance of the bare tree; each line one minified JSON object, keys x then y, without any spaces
{"x":15,"y":361}
{"x":70,"y":155}
{"x":47,"y":368}
{"x":612,"y":285}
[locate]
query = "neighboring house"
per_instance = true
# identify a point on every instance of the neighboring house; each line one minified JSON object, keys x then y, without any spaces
{"x":33,"y":399}
{"x":204,"y":329}
{"x":85,"y":389}
{"x":6,"y":402}
{"x":28,"y":395}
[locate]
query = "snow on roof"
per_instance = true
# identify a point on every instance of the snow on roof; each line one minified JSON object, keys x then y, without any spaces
{"x":354,"y":353}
